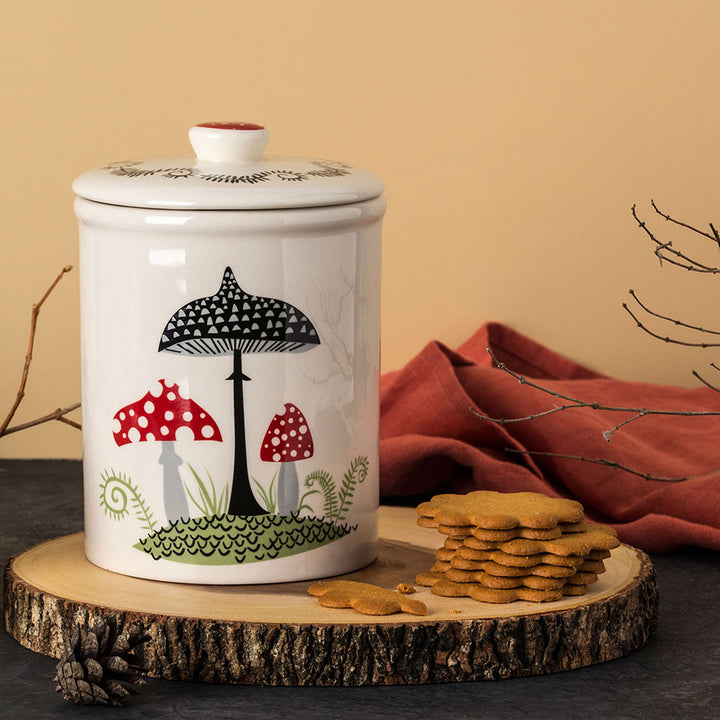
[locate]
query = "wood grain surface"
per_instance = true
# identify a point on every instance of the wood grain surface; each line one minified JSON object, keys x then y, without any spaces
{"x":279,"y":635}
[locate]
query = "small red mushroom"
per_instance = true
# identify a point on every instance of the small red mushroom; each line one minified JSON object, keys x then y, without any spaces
{"x":160,"y":418}
{"x":288,"y":438}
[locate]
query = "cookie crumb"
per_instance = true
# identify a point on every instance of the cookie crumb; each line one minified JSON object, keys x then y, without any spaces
{"x":455,"y":612}
{"x":405,"y":589}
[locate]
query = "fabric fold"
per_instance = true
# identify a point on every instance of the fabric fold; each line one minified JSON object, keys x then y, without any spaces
{"x":433,"y":439}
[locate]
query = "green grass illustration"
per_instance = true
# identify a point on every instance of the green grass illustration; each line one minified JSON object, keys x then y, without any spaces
{"x":207,"y":501}
{"x":268,"y":497}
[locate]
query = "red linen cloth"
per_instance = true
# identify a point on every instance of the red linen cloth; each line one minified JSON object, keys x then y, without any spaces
{"x":431,"y":442}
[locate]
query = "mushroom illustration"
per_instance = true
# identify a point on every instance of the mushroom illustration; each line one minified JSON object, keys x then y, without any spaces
{"x":233,"y":322}
{"x":288,"y":438}
{"x":159,"y":418}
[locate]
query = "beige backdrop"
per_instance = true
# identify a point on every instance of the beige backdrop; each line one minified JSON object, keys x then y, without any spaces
{"x":513,"y":138}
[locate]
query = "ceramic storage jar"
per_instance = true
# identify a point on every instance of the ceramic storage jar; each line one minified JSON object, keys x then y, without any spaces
{"x":230,"y":309}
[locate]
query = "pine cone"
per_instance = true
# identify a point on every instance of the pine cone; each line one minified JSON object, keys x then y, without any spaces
{"x":100,"y":667}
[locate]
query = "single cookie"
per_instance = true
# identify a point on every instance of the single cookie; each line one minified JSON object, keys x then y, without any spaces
{"x":445,"y":555}
{"x":596,"y":537}
{"x":447,"y":588}
{"x":582,"y":578}
{"x":504,"y":583}
{"x":476,"y":544}
{"x":574,"y":590}
{"x":440,"y":566}
{"x":598,"y":555}
{"x":428,"y":579}
{"x":493,"y":568}
{"x":503,"y":558}
{"x":455,"y":531}
{"x":452,"y":543}
{"x":516,"y":532}
{"x":531,"y":533}
{"x":364,"y":598}
{"x":593,"y":566}
{"x":501,"y":511}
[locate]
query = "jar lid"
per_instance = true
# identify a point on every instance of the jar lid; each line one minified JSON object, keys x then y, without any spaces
{"x":227,"y":172}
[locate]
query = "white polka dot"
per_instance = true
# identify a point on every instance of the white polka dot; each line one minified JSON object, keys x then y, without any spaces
{"x":171,"y":396}
{"x":131,"y":413}
{"x":293,"y":433}
{"x":164,"y":430}
{"x":122,"y":415}
{"x":142,"y":421}
{"x":134,"y":434}
{"x":284,"y":437}
{"x":276,"y":431}
{"x":293,"y":453}
{"x":149,"y":407}
{"x":307,"y":453}
{"x":276,"y":457}
{"x":207,"y":431}
{"x":117,"y":427}
{"x":169,"y":415}
{"x":275,"y":441}
{"x":302,"y":429}
{"x":187,"y":416}
{"x":150,"y":437}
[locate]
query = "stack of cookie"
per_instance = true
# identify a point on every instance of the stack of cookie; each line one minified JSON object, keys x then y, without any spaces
{"x":502,"y":547}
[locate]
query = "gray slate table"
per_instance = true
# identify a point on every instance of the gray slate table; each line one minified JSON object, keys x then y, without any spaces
{"x":676,"y":675}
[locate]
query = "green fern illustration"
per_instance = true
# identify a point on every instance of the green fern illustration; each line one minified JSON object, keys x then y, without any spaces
{"x":327,"y":487}
{"x":356,"y":474}
{"x":118,"y":494}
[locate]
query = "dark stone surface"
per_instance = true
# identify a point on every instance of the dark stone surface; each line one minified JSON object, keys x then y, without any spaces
{"x":676,"y":675}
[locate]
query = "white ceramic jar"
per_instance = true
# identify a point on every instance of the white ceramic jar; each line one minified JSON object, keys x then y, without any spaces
{"x":230,"y":308}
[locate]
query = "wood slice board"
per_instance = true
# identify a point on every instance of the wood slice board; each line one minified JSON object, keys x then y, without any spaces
{"x":278,"y":635}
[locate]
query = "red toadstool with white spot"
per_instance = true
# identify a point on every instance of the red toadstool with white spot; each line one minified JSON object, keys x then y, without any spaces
{"x":160,"y":418}
{"x":288,"y":439}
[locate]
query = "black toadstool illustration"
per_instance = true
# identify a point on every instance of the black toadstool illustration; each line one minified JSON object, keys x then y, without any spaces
{"x":159,"y":418}
{"x":233,"y":322}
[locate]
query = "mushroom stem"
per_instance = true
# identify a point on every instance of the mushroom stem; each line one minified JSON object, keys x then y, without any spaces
{"x":288,"y":491}
{"x":242,"y":500}
{"x":176,"y":506}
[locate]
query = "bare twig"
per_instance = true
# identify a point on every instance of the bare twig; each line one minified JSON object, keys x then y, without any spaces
{"x":665,"y":338}
{"x":704,"y":381}
{"x":573,"y":403}
{"x":610,"y":464}
{"x":665,"y":252}
{"x":683,"y":224}
{"x":678,"y":323}
{"x":58,"y":414}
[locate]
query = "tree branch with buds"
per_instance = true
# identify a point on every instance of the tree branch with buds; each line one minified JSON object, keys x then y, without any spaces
{"x":58,"y":414}
{"x":666,"y":253}
{"x":572,"y":403}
